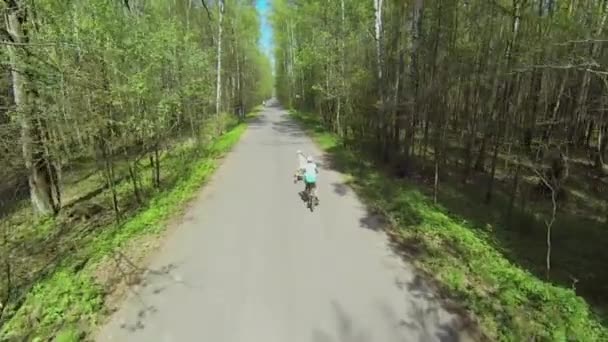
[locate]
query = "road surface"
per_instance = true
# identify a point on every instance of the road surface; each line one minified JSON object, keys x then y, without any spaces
{"x":249,"y":262}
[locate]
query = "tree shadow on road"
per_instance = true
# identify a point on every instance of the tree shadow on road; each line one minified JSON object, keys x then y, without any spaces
{"x":288,"y":127}
{"x":422,"y":324}
{"x":257,"y":122}
{"x":345,"y":330}
{"x":389,"y":207}
{"x":340,"y":189}
{"x":142,"y":283}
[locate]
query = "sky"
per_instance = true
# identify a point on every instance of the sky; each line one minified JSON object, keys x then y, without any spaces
{"x":263,"y":7}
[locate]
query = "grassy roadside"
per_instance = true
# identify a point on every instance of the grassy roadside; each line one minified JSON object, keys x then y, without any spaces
{"x":68,"y":302}
{"x":509,"y":303}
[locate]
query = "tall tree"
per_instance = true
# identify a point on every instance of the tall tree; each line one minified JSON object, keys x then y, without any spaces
{"x":42,"y":173}
{"x":506,"y":96}
{"x":218,"y":91}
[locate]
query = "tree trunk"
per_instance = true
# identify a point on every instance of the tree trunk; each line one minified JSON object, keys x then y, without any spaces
{"x":481,"y":156}
{"x":378,"y":36}
{"x":133,"y":175}
{"x":581,"y":101}
{"x":157,"y":166}
{"x":218,"y":89}
{"x":380,"y":122}
{"x":513,"y":195}
{"x":602,"y":142}
{"x":42,"y":173}
{"x":416,"y":30}
{"x":241,"y":110}
{"x":507,"y":92}
{"x":108,"y":170}
{"x":342,"y":93}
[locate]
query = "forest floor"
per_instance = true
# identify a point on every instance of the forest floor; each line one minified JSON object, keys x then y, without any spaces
{"x":496,"y":269}
{"x":63,"y":274}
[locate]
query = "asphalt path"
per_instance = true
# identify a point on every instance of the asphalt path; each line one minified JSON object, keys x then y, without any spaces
{"x":249,"y":262}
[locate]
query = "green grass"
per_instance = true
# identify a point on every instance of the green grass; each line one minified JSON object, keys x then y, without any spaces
{"x":509,"y":302}
{"x":67,"y":302}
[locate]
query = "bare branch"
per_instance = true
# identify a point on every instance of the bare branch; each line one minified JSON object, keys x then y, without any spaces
{"x":4,"y":42}
{"x":551,"y":220}
{"x":207,"y":10}
{"x":542,"y":178}
{"x":582,"y":41}
{"x":586,"y":67}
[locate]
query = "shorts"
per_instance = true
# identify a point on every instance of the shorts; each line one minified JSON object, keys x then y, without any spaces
{"x":310,"y":185}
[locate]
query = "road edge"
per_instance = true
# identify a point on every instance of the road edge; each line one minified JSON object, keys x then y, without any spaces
{"x":467,"y":321}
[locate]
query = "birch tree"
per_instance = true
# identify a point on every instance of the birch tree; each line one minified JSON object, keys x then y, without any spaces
{"x":42,"y":172}
{"x":218,"y":91}
{"x":479,"y":93}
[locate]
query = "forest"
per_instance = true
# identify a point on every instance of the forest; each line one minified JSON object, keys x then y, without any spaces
{"x":477,"y":127}
{"x":495,"y":111}
{"x":112,"y":112}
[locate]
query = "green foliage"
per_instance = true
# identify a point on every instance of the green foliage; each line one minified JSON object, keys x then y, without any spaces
{"x":69,"y":302}
{"x":66,"y":298}
{"x":468,"y":97}
{"x":119,"y":90}
{"x":133,"y":77}
{"x":320,"y":59}
{"x":69,"y":335}
{"x":510,"y":303}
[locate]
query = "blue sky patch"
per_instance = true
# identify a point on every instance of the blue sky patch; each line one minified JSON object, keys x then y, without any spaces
{"x":263,"y":7}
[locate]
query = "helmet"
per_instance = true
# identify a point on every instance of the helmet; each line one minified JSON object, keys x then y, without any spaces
{"x":309,"y":159}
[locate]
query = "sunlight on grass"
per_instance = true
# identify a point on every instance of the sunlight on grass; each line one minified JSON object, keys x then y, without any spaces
{"x":510,"y":303}
{"x":69,"y":300}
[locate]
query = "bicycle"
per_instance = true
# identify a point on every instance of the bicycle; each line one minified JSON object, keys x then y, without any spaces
{"x":311,"y":199}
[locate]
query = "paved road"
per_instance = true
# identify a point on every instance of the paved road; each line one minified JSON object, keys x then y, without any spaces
{"x":250,"y":263}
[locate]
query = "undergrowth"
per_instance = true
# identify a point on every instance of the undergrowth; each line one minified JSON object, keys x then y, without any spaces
{"x":509,"y":302}
{"x":66,"y":302}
